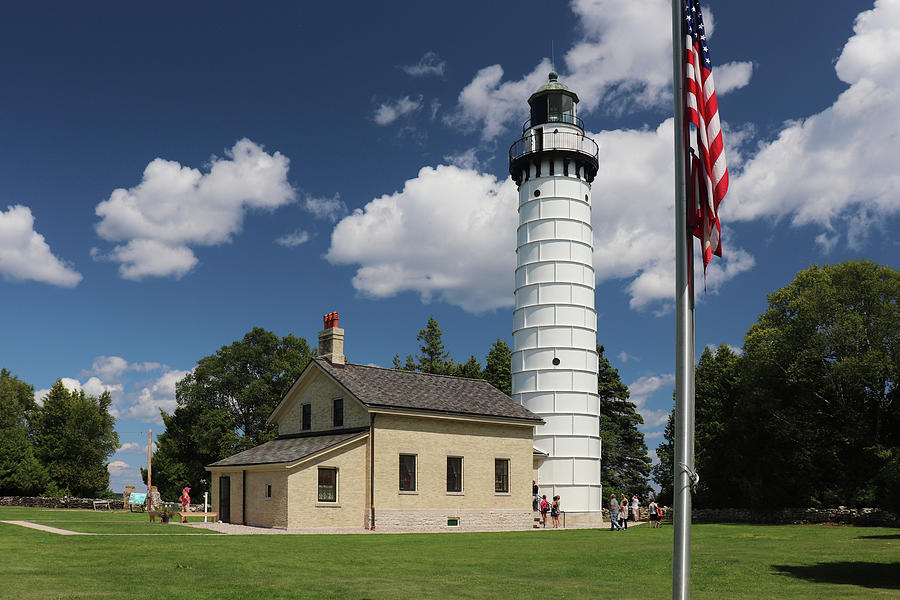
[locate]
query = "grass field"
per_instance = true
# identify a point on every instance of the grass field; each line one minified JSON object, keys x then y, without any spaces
{"x":728,"y":562}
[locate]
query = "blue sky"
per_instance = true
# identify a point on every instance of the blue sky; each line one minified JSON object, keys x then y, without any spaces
{"x":175,"y":175}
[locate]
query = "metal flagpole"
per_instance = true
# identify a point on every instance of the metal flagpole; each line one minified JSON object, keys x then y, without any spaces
{"x":683,"y":468}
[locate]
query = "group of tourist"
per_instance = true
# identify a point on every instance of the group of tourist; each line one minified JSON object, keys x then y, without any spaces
{"x":619,"y":512}
{"x":541,"y":503}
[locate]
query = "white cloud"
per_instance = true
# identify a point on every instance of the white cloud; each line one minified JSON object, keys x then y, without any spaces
{"x":837,"y":170}
{"x":429,"y":64}
{"x":158,"y":395}
{"x":93,"y":386}
{"x":625,"y":357}
{"x":732,"y":76}
{"x":491,"y":104}
{"x":129,"y":447}
{"x":449,"y":234}
{"x":467,"y":159}
{"x":641,"y":391}
{"x":330,"y":209}
{"x":25,"y":255}
{"x":175,"y":207}
{"x":390,"y":111}
{"x":117,"y":467}
{"x":292,"y":240}
{"x":607,"y":67}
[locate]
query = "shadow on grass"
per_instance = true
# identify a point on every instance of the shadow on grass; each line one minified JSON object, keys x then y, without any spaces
{"x":864,"y":574}
{"x":887,"y":536}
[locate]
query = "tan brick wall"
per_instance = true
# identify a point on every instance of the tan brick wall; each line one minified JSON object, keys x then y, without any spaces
{"x":262,"y":511}
{"x":432,"y":441}
{"x":304,"y":510}
{"x":236,"y":489}
{"x":319,"y":391}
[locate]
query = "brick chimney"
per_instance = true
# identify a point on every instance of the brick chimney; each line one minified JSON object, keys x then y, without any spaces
{"x":331,"y":341}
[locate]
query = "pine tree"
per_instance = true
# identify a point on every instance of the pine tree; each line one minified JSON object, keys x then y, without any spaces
{"x":433,"y":358}
{"x":625,"y":464}
{"x":498,"y":367}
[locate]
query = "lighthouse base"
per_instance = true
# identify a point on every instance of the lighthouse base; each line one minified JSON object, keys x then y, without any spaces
{"x":584,"y":520}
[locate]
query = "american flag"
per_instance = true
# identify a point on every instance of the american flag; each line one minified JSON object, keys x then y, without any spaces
{"x":709,"y":175}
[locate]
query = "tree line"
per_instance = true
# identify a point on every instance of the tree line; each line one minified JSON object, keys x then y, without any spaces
{"x":807,"y":413}
{"x":57,"y":448}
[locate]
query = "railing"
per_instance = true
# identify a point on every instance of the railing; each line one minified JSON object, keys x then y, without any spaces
{"x":562,"y":118}
{"x":562,"y":140}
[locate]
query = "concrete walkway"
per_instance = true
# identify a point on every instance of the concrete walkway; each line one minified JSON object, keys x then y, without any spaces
{"x":46,"y":528}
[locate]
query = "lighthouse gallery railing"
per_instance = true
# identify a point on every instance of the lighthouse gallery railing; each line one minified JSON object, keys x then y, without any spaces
{"x":549,"y":140}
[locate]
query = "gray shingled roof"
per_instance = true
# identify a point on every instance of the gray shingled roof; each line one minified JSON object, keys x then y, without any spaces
{"x":287,"y":449}
{"x":391,"y":388}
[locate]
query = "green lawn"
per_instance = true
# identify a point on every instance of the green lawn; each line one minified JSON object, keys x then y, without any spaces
{"x":729,"y":562}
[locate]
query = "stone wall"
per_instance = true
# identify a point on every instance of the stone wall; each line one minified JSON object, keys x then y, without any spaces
{"x":66,"y":502}
{"x":863,"y":517}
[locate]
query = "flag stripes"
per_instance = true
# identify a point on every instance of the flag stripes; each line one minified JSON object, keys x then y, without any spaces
{"x":702,"y":109}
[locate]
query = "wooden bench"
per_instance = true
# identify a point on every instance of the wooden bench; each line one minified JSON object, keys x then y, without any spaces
{"x":184,"y":515}
{"x":102,"y":503}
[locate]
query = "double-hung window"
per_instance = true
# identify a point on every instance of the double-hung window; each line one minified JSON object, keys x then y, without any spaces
{"x":501,"y":475}
{"x":454,"y":474}
{"x":407,"y":472}
{"x":327,"y":484}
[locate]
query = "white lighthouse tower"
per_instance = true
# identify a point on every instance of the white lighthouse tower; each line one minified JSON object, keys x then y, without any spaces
{"x":554,"y":360}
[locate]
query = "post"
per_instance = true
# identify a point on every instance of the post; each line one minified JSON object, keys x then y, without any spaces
{"x":205,"y":505}
{"x":149,"y":469}
{"x":684,"y":332}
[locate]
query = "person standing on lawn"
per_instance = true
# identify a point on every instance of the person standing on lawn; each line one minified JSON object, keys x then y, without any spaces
{"x":545,"y":506}
{"x":635,"y":506}
{"x":614,"y":514}
{"x":554,"y":512}
{"x":185,"y":500}
{"x":623,"y":515}
{"x":654,"y":518}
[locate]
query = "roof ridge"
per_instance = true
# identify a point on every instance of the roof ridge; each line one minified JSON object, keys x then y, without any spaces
{"x":350,"y":364}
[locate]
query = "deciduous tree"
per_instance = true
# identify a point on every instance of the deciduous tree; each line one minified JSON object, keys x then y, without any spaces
{"x":74,"y":436}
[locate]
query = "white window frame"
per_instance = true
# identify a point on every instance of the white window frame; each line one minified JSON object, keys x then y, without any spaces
{"x":462,"y":477}
{"x":415,"y":487}
{"x":337,"y":487}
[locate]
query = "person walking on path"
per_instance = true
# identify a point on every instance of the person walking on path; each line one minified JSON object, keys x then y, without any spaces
{"x":545,"y":506}
{"x":635,"y":506}
{"x":623,"y":514}
{"x":614,"y":514}
{"x":554,"y":512}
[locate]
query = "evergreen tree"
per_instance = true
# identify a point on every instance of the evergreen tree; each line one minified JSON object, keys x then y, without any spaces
{"x":74,"y":437}
{"x":498,"y":367}
{"x":433,"y":358}
{"x":625,"y":465}
{"x":471,"y":369}
{"x":20,"y":472}
{"x":664,"y":471}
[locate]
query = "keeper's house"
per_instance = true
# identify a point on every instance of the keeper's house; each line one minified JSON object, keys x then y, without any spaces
{"x":363,"y":447}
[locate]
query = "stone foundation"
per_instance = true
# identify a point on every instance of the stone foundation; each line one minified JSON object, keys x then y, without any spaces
{"x":469,"y":520}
